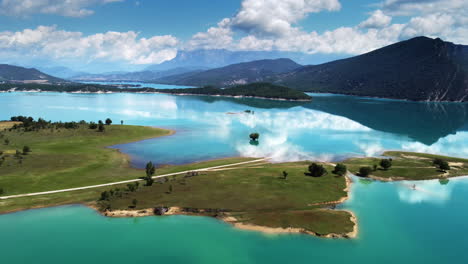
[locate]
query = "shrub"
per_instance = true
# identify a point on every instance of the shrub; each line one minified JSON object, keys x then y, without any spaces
{"x":317,"y":170}
{"x":254,"y":136}
{"x":26,"y":150}
{"x":101,"y":128}
{"x":92,"y":125}
{"x":386,"y":163}
{"x":340,"y":169}
{"x":365,"y":171}
{"x":441,"y":164}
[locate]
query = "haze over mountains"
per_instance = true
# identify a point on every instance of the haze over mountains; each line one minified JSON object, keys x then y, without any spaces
{"x":241,"y":73}
{"x":421,"y":68}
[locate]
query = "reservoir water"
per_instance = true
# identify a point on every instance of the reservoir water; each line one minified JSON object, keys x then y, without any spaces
{"x":396,"y":224}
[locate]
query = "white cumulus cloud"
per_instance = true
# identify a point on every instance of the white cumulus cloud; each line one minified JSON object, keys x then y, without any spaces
{"x":69,"y":8}
{"x":60,"y":45}
{"x":377,"y":20}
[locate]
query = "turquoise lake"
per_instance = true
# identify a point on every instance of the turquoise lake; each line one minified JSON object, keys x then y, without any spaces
{"x":396,"y":224}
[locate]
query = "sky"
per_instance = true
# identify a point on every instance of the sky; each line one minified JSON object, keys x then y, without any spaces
{"x":90,"y":35}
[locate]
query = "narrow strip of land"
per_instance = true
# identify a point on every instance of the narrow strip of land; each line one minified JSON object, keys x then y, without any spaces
{"x":130,"y":181}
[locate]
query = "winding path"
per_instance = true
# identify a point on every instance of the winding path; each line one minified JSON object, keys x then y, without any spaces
{"x":129,"y":181}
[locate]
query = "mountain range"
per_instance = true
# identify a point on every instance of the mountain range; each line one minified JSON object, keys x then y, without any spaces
{"x":420,"y":69}
{"x":417,"y":69}
{"x":235,"y":74}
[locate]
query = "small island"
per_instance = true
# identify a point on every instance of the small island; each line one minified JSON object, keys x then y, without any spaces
{"x":254,"y":90}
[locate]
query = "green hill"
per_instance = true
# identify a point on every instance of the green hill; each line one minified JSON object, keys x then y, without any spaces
{"x":10,"y":73}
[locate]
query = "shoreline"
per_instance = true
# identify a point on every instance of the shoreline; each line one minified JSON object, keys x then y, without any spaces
{"x":155,"y":92}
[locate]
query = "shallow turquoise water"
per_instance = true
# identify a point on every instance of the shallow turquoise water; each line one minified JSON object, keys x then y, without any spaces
{"x":397,"y":224}
{"x":328,"y":128}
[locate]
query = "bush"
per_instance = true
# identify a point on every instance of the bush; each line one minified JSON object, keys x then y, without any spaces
{"x":92,"y":125}
{"x":386,"y":163}
{"x":340,"y":169}
{"x":101,"y":128}
{"x":26,"y":150}
{"x":254,"y":136}
{"x":316,"y":170}
{"x":365,"y":171}
{"x":441,"y":164}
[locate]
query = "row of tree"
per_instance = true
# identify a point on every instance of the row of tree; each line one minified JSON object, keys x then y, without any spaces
{"x":318,"y":170}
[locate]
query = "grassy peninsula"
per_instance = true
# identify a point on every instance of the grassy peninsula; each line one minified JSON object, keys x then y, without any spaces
{"x":252,"y":196}
{"x":409,"y":166}
{"x":64,"y":155}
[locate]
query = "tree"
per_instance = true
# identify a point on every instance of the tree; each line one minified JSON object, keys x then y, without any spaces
{"x":101,"y":128}
{"x":441,"y":164}
{"x":386,"y":164}
{"x":92,"y":125}
{"x":317,"y":170}
{"x":254,"y":136}
{"x":134,"y":202}
{"x":365,"y":171}
{"x":26,"y":150}
{"x":150,"y":170}
{"x":104,"y":196}
{"x":375,"y":167}
{"x":121,"y":122}
{"x":444,"y":166}
{"x":340,"y":169}
{"x":108,"y":121}
{"x":6,"y":141}
{"x":100,"y":122}
{"x":285,"y":175}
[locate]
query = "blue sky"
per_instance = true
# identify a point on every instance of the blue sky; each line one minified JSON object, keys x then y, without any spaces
{"x":130,"y":34}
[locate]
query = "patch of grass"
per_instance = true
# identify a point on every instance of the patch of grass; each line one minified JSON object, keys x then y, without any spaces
{"x":67,"y":158}
{"x":320,"y":221}
{"x":243,"y":189}
{"x":410,"y":166}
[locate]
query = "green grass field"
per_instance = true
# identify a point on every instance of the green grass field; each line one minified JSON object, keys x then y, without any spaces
{"x":410,"y":166}
{"x":68,"y":158}
{"x":254,"y":193}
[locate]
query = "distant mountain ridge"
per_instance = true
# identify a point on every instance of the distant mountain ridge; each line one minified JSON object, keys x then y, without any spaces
{"x":138,"y":76}
{"x":215,"y":58}
{"x":421,"y":69}
{"x":11,"y":73}
{"x":235,"y":74}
